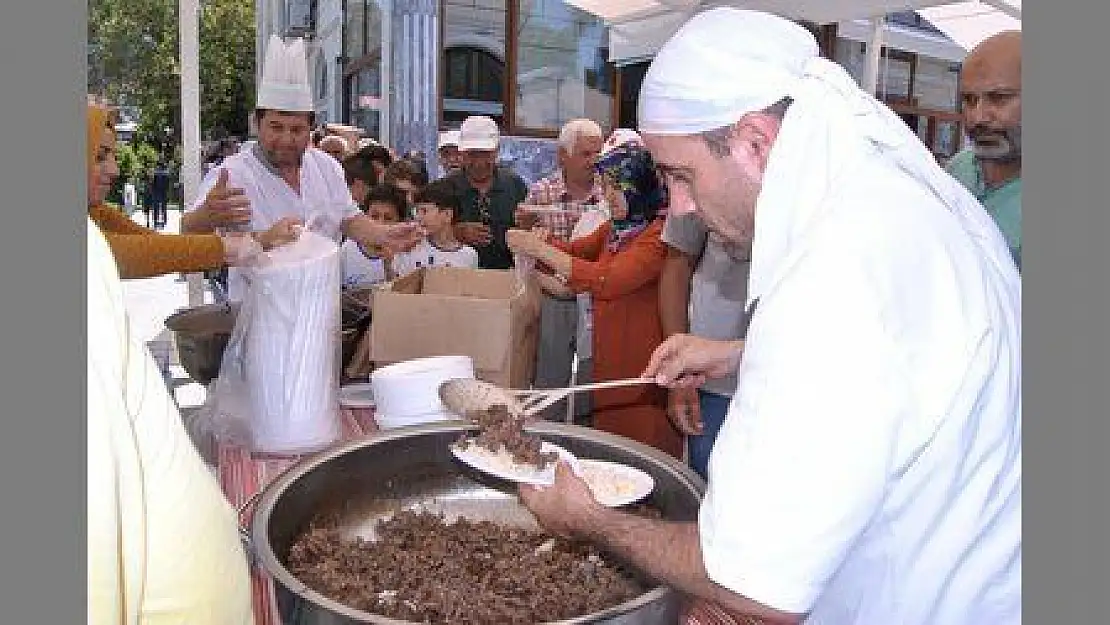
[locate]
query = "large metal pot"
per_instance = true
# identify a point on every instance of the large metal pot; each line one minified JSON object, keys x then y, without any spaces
{"x":371,"y":478}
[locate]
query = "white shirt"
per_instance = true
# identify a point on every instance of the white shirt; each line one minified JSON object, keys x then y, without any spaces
{"x":163,"y":543}
{"x":324,"y":192}
{"x":869,"y":469}
{"x":360,"y":270}
{"x":425,"y":254}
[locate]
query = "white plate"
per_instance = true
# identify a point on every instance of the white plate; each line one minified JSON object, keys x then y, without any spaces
{"x":501,"y":464}
{"x":356,"y":396}
{"x":615,"y":484}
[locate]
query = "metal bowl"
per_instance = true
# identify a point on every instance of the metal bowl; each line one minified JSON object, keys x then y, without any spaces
{"x":201,"y":334}
{"x":371,"y":478}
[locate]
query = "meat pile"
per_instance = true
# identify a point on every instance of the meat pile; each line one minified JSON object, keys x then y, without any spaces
{"x":501,"y":429}
{"x":425,"y":570}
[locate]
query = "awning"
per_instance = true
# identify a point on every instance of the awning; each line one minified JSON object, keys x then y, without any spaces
{"x":969,"y":23}
{"x":637,"y":28}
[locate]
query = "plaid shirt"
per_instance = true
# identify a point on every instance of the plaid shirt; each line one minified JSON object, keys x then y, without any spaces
{"x":551,"y":191}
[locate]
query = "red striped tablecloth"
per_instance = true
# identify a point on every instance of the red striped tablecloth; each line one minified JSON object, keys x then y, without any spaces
{"x":243,"y":474}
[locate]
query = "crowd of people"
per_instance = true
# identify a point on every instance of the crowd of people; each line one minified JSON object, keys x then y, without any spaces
{"x":833,"y":319}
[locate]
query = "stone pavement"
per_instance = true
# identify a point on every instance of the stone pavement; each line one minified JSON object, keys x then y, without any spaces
{"x":149,"y":301}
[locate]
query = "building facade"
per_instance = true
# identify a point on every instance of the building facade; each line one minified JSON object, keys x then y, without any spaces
{"x":404,"y":69}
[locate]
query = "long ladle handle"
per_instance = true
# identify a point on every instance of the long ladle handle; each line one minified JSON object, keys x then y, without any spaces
{"x":608,"y":384}
{"x":556,"y":395}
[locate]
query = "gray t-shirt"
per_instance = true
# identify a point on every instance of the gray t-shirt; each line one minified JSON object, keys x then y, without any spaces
{"x":718,"y":289}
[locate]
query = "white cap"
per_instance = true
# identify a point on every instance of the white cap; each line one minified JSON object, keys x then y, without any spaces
{"x":448,"y":138}
{"x":284,"y":85}
{"x":619,"y":137}
{"x":479,"y":132}
{"x":721,"y":65}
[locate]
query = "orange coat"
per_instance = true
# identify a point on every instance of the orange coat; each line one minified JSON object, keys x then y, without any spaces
{"x":624,"y":287}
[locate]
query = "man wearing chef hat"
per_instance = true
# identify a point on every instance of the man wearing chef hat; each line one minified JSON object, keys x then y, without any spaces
{"x":869,"y":469}
{"x":281,"y":174}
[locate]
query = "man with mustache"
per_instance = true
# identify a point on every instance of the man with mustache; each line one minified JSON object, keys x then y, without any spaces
{"x":281,"y":175}
{"x":990,"y":100}
{"x":488,"y":193}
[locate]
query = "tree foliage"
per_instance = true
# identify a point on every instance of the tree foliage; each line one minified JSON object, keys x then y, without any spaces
{"x":134,"y":60}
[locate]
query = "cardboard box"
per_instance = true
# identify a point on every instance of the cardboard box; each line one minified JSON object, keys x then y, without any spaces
{"x":486,"y":314}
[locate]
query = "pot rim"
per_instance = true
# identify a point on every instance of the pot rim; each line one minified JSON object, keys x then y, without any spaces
{"x":259,"y":516}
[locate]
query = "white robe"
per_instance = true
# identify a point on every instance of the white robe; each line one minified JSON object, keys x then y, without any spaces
{"x":324,"y":192}
{"x":163,"y":544}
{"x":869,"y":469}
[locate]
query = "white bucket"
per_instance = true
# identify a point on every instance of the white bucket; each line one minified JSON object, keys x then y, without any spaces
{"x":407,"y":393}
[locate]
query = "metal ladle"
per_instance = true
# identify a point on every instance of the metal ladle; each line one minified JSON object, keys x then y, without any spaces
{"x":464,"y":395}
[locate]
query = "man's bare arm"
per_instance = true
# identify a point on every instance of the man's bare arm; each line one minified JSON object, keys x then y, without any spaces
{"x":671,"y":552}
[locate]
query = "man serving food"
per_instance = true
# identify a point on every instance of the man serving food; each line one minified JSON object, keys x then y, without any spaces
{"x":281,"y":175}
{"x":869,"y":468}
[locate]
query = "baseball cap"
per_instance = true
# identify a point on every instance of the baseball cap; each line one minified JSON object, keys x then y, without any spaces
{"x":479,"y":132}
{"x":448,"y":138}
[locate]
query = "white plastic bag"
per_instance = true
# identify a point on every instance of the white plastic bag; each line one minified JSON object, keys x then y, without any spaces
{"x":278,"y":383}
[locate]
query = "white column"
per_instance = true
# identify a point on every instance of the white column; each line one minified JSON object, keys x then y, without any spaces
{"x":414,"y":77}
{"x":189,"y":25}
{"x":874,"y":54}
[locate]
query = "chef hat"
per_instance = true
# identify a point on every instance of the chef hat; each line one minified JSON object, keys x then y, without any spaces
{"x":284,"y":85}
{"x":721,"y":65}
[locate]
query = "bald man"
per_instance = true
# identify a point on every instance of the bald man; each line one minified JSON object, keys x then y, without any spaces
{"x":990,"y":100}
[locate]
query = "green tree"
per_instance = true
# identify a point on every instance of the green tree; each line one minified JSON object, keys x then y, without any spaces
{"x":134,"y":61}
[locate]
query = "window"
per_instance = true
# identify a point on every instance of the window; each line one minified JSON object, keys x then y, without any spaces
{"x":474,"y":45}
{"x":355,"y":29}
{"x":529,"y":64}
{"x":474,"y":74}
{"x":362,"y":66}
{"x":562,"y":69}
{"x":364,"y":100}
{"x":935,"y":83}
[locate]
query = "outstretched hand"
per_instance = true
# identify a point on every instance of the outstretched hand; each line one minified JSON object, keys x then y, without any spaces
{"x":687,"y":361}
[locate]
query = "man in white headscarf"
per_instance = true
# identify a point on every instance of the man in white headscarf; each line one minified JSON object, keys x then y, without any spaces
{"x":869,"y":469}
{"x":282,"y":175}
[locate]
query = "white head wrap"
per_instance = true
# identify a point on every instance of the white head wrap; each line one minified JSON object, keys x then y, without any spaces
{"x":725,"y":63}
{"x":284,"y":85}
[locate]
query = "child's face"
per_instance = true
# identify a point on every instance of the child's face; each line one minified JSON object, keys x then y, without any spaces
{"x":406,"y":187}
{"x":383,"y":211}
{"x":433,"y":218}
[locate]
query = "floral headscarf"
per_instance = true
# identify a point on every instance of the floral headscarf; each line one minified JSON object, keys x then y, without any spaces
{"x":625,"y":161}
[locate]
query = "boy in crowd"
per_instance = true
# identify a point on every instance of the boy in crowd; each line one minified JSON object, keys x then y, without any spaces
{"x":437,"y":209}
{"x":361,"y":267}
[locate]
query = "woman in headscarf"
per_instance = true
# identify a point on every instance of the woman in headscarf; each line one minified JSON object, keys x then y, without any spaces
{"x":619,"y":265}
{"x":141,"y":252}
